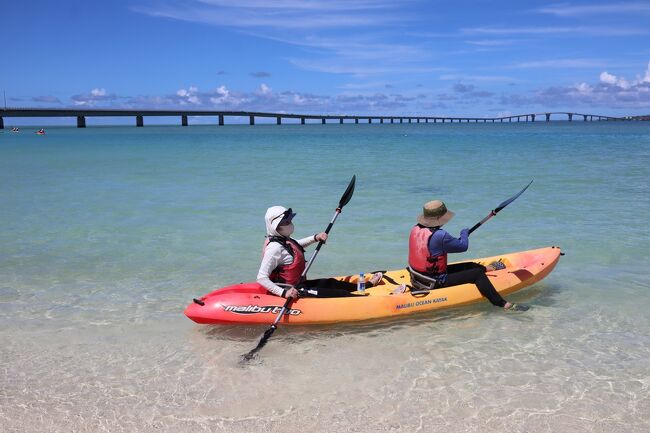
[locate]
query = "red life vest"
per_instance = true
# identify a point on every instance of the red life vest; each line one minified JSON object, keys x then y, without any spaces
{"x":420,"y":259}
{"x":288,"y":274}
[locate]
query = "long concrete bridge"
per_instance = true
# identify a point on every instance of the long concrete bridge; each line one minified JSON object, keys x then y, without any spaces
{"x":139,"y":115}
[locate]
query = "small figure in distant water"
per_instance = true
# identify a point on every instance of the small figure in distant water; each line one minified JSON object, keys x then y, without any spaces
{"x":14,"y":129}
{"x":41,"y":131}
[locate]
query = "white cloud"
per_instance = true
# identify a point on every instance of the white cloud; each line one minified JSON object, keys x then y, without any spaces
{"x":306,"y":15}
{"x":566,"y":10}
{"x":313,"y":5}
{"x":611,"y":92}
{"x":188,"y":96}
{"x":492,"y":42}
{"x":607,"y":78}
{"x":95,"y":96}
{"x":558,"y":30}
{"x":303,"y":23}
{"x":464,"y":77}
{"x":264,"y":89}
{"x":561,"y":63}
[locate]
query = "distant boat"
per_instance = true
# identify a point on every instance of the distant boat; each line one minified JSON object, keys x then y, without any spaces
{"x":40,"y":132}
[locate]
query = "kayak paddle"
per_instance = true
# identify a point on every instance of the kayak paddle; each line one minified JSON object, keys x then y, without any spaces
{"x":345,"y":199}
{"x":499,"y":208}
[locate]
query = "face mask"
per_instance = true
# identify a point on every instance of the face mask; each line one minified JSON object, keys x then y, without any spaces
{"x":286,"y":230}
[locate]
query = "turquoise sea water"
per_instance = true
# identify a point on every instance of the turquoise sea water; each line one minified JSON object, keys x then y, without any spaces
{"x":108,"y":232}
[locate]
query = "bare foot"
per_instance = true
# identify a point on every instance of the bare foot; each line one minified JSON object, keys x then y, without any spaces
{"x":515,"y":307}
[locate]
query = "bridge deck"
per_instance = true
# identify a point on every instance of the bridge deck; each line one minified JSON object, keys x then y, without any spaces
{"x":81,"y":115}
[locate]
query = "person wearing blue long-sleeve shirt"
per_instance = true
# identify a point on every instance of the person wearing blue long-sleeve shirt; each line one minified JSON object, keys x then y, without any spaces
{"x":429,"y":245}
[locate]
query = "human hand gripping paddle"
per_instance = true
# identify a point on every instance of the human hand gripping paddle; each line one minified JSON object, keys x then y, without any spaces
{"x":499,"y":208}
{"x":345,"y":198}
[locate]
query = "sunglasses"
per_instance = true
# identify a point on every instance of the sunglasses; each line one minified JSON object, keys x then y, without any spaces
{"x":287,"y":216}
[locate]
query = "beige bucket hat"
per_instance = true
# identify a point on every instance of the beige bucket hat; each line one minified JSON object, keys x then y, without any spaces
{"x":435,"y":214}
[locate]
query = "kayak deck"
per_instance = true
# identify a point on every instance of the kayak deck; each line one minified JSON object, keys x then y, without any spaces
{"x":250,"y":303}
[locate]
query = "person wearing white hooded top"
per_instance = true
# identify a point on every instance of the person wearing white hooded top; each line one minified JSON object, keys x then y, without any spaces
{"x":283,"y":261}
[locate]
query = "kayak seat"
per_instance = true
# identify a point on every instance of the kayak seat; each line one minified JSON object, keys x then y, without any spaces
{"x":422,"y":282}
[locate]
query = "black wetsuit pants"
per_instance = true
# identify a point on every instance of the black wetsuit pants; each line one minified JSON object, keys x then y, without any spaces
{"x":473,"y":273}
{"x":327,"y":288}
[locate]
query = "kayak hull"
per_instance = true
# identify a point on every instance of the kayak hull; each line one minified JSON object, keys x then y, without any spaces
{"x":250,"y":303}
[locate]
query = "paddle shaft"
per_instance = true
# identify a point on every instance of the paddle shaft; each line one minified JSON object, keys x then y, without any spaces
{"x":480,"y":223}
{"x":320,"y":243}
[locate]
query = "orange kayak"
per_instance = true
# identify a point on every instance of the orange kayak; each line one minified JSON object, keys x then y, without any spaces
{"x":250,"y":303}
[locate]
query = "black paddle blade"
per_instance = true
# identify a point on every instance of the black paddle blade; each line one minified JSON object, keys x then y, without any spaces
{"x":511,"y":199}
{"x":267,"y":334}
{"x":347,"y":195}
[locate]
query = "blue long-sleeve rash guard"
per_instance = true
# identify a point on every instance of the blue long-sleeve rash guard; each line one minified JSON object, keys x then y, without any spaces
{"x":442,"y":242}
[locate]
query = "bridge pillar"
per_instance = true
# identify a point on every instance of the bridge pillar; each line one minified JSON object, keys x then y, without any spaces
{"x":302,"y":120}
{"x":570,"y":117}
{"x":278,"y":120}
{"x":532,"y":116}
{"x":501,"y":120}
{"x":2,"y":123}
{"x":443,"y":120}
{"x":435,"y":120}
{"x":341,"y":121}
{"x":221,"y":120}
{"x":392,"y":120}
{"x":381,"y":120}
{"x":417,"y":120}
{"x":81,"y":122}
{"x":409,"y":120}
{"x":591,"y":118}
{"x":183,"y":120}
{"x":401,"y":120}
{"x":251,"y":120}
{"x":548,"y":117}
{"x":322,"y":121}
{"x":139,"y":121}
{"x":356,"y":120}
{"x":369,"y":120}
{"x":584,"y":117}
{"x":509,"y":119}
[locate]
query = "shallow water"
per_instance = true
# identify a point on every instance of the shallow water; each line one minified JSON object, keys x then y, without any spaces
{"x":108,"y":232}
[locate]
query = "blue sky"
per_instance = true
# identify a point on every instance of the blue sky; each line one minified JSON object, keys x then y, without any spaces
{"x":472,"y":58}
